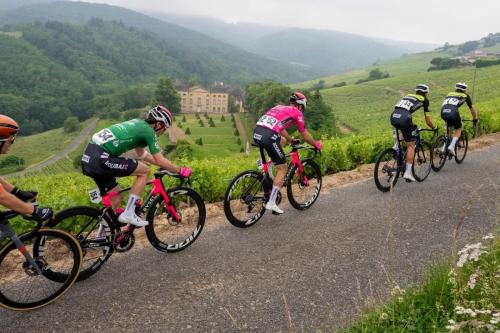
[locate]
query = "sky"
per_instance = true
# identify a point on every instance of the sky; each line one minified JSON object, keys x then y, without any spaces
{"x":428,"y":21}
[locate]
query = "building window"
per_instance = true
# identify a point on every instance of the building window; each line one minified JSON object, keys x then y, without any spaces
{"x":214,"y":108}
{"x":223,"y":110}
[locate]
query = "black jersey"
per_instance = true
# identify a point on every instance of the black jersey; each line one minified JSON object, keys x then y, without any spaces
{"x":413,"y":102}
{"x":457,"y":99}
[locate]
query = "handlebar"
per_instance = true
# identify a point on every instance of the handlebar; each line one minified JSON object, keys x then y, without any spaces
{"x":4,"y":216}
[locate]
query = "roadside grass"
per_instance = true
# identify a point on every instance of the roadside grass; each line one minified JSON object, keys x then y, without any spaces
{"x":453,"y":298}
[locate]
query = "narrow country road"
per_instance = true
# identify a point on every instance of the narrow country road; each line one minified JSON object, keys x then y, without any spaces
{"x":304,"y":270}
{"x":84,"y":134}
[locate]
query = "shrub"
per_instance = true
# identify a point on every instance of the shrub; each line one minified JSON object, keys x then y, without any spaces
{"x":236,"y":132}
{"x":202,"y":124}
{"x":222,"y":118}
{"x":184,"y":118}
{"x":199,"y":142}
{"x":197,"y":115}
{"x":238,"y":141}
{"x":187,"y":131}
{"x":12,"y":160}
{"x":71,"y":124}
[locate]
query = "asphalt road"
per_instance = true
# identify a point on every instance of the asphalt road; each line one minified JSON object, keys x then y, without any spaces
{"x":300,"y":271}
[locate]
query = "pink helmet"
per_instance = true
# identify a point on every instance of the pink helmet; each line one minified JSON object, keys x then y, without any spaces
{"x":299,"y":98}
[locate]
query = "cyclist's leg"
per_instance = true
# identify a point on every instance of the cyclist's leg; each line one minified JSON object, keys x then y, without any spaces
{"x":457,"y":124}
{"x":405,"y":124}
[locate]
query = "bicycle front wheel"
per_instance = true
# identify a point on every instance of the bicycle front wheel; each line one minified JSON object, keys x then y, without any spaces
{"x":245,"y":199}
{"x":422,"y":162}
{"x":439,"y":153}
{"x":386,"y":171}
{"x":27,"y":285}
{"x":167,"y":234}
{"x":303,"y":187}
{"x":97,"y":246}
{"x":461,"y":147}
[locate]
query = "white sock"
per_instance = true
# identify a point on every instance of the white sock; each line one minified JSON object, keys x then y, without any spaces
{"x":270,"y":169}
{"x":130,"y":209}
{"x":453,"y":142}
{"x":408,"y":168}
{"x":274,"y":194}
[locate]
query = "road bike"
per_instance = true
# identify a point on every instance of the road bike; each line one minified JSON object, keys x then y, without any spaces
{"x":36,"y":267}
{"x":248,"y":193}
{"x":176,"y":218}
{"x":441,"y":143}
{"x":391,"y":162}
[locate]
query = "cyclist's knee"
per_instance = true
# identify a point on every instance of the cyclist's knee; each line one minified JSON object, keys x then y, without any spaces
{"x":142,"y":169}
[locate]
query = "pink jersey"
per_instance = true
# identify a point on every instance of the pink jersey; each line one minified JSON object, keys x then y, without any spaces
{"x":281,"y":117}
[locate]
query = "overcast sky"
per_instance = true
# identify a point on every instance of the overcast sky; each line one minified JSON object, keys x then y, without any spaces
{"x":433,"y":21}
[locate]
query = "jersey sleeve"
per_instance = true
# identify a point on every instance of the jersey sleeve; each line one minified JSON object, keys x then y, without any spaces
{"x":299,"y":119}
{"x":468,"y":100}
{"x":426,"y":105}
{"x":152,"y":142}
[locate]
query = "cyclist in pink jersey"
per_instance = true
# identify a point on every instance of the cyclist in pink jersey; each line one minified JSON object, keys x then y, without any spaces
{"x":271,"y":134}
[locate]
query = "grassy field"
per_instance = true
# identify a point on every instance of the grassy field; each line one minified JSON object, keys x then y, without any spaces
{"x":366,"y":107}
{"x":39,"y":147}
{"x":218,"y":141}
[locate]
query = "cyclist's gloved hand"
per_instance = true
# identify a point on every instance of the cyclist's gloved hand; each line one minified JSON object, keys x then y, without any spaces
{"x":24,"y":195}
{"x":185,"y":172}
{"x":475,"y":121}
{"x":42,"y":213}
{"x":295,"y":142}
{"x":318,"y":145}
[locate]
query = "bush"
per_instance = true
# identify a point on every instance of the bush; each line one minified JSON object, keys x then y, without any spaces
{"x":115,"y":115}
{"x":242,"y":150}
{"x":236,"y":132}
{"x":197,"y":115}
{"x":211,"y":122}
{"x":179,"y":125}
{"x":71,"y":124}
{"x":183,"y":150}
{"x":187,"y":131}
{"x":77,"y":162}
{"x":12,"y":160}
{"x":199,"y":142}
{"x":202,"y":124}
{"x":222,"y":118}
{"x":205,"y":115}
{"x":184,"y":118}
{"x":238,"y":141}
{"x":340,"y":84}
{"x":132,"y":114}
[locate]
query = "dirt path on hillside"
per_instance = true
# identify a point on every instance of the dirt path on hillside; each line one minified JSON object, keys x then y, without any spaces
{"x":177,"y":133}
{"x":343,"y":128}
{"x":241,"y":128}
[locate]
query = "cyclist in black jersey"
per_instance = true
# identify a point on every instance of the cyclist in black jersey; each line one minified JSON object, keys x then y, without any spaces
{"x":450,"y":114}
{"x":401,"y":118}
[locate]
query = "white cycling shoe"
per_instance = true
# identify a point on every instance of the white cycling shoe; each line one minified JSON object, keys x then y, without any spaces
{"x":274,"y":207}
{"x":451,"y":151}
{"x":409,"y":177}
{"x":132,"y":218}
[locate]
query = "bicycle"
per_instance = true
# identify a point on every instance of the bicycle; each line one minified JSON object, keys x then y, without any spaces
{"x":37,"y":267}
{"x":392,"y":162}
{"x":249,"y":191}
{"x":176,"y":218}
{"x":440,"y":147}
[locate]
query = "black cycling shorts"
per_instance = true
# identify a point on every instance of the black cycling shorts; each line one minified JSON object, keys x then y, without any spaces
{"x":270,"y":141}
{"x":451,"y":116}
{"x":401,"y":119}
{"x":103,"y":168}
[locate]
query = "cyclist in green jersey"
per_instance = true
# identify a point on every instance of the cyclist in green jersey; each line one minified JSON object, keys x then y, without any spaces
{"x":103,"y":160}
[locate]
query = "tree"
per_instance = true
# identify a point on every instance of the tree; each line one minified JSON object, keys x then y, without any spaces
{"x":184,"y":118}
{"x":468,"y":46}
{"x":199,"y":142}
{"x":261,"y":96}
{"x":236,"y":132}
{"x":222,"y":118}
{"x":166,"y":95}
{"x":188,"y":131}
{"x":71,"y":124}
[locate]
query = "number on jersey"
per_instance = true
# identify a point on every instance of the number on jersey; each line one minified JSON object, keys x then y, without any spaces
{"x":267,"y":121}
{"x":451,"y":101}
{"x":404,"y":104}
{"x":103,"y":136}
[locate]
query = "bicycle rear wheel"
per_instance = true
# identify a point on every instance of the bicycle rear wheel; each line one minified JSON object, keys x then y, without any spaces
{"x":23,"y":286}
{"x":439,"y":153}
{"x":461,"y":147}
{"x":422,"y":162}
{"x":245,"y":199}
{"x":386,"y":171}
{"x":302,"y":188}
{"x":164,"y":232}
{"x":96,"y":248}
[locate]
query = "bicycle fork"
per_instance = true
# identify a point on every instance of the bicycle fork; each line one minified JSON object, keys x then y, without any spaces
{"x":7,"y":231}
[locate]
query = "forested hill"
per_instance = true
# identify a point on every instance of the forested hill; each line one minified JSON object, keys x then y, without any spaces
{"x":200,"y":54}
{"x":52,"y":70}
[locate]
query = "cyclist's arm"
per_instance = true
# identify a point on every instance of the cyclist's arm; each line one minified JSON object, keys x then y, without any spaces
{"x":6,"y":185}
{"x":288,"y":137}
{"x":11,"y":202}
{"x":308,"y":138}
{"x":472,"y":109}
{"x":159,"y":160}
{"x":428,"y":120}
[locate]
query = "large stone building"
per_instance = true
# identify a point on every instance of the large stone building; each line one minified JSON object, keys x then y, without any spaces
{"x":197,"y":99}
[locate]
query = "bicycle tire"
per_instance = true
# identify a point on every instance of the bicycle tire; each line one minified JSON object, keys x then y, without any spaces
{"x":421,"y":159}
{"x":185,"y":208}
{"x":386,"y":155}
{"x":26,"y":272}
{"x":245,"y":199}
{"x":439,"y":156}
{"x":91,"y":263}
{"x":461,"y":145}
{"x":293,"y":184}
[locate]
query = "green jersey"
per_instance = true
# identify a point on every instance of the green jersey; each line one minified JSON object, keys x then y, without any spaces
{"x":120,"y":138}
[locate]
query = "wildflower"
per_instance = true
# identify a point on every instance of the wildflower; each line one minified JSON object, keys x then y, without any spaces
{"x":397,"y":291}
{"x":472,"y":281}
{"x":489,"y":236}
{"x":384,"y":316}
{"x":470,"y":252}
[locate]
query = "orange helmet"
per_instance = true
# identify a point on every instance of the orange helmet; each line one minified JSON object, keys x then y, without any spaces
{"x":8,"y":127}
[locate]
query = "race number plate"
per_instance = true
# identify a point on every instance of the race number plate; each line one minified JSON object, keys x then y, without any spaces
{"x":95,"y":196}
{"x":259,"y":163}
